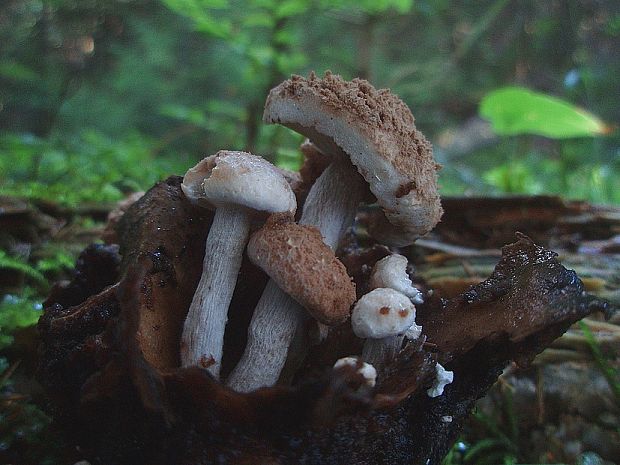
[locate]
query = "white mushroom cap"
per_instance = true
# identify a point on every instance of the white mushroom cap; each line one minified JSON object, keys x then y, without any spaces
{"x":365,"y":369}
{"x":443,"y":378}
{"x":391,"y":272}
{"x":239,"y":179}
{"x":381,"y":313}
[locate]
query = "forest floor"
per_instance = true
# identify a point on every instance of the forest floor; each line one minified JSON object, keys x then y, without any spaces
{"x":564,"y":408}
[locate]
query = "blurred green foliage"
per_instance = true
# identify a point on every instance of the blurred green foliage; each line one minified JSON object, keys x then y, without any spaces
{"x":603,"y":361}
{"x":89,"y":168}
{"x":169,"y":81}
{"x":24,"y":308}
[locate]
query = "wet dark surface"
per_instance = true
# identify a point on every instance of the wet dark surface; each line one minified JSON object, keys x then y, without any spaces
{"x":110,"y":362}
{"x":528,"y":293}
{"x":97,"y":266}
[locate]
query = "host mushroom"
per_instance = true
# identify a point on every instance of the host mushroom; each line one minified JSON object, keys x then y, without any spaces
{"x":381,"y":317}
{"x":304,"y":273}
{"x":239,"y":186}
{"x":391,"y":271}
{"x":375,"y":131}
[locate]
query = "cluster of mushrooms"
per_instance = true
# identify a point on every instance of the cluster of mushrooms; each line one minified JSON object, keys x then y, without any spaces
{"x":375,"y":155}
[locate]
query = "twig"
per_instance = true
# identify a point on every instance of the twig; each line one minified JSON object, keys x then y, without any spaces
{"x":457,"y":250}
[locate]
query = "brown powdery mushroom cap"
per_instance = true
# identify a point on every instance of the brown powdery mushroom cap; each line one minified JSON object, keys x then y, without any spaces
{"x":377,"y":131}
{"x":300,"y":263}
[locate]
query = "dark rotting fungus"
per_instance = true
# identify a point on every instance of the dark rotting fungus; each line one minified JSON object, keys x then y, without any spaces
{"x":121,"y":395}
{"x":132,"y":378}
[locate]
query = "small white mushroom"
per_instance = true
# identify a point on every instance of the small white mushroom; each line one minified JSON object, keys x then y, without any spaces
{"x":391,"y":271}
{"x":367,"y":371}
{"x":442,"y":379}
{"x":238,"y":185}
{"x":381,"y":317}
{"x":414,"y":332}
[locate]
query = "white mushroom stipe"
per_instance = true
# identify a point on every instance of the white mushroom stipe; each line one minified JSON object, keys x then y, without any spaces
{"x":443,"y":378}
{"x":380,"y":352}
{"x":269,"y":337}
{"x":367,"y":371}
{"x":203,"y":331}
{"x":333,"y":200}
{"x":391,"y":271}
{"x":238,"y":185}
{"x":331,"y":206}
{"x":382,"y":317}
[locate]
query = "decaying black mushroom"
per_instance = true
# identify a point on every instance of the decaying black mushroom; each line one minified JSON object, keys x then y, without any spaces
{"x":110,"y":359}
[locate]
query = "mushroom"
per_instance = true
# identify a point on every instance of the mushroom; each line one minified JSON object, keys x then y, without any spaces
{"x":443,"y":378}
{"x":381,"y":317}
{"x":304,"y":273}
{"x":391,"y":271}
{"x":239,"y":186}
{"x":314,"y":163}
{"x":375,"y":131}
{"x":366,"y":370}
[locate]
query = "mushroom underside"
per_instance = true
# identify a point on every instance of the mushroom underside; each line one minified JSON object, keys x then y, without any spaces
{"x":408,"y":199}
{"x":124,"y":399}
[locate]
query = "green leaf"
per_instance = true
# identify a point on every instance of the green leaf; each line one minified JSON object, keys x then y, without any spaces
{"x":212,"y":26}
{"x":17,"y":312}
{"x":202,"y":14}
{"x":289,"y":8}
{"x":516,"y":110}
{"x":16,"y":71}
{"x":485,"y":446}
{"x":10,"y":263}
{"x":193,"y":116}
{"x":258,"y":19}
{"x":226,"y":108}
{"x":370,"y":6}
{"x":288,"y":159}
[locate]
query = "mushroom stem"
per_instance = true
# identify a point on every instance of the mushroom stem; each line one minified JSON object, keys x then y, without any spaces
{"x":378,"y":352}
{"x":330,"y":206}
{"x":203,"y":332}
{"x":333,"y":199}
{"x":271,"y":332}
